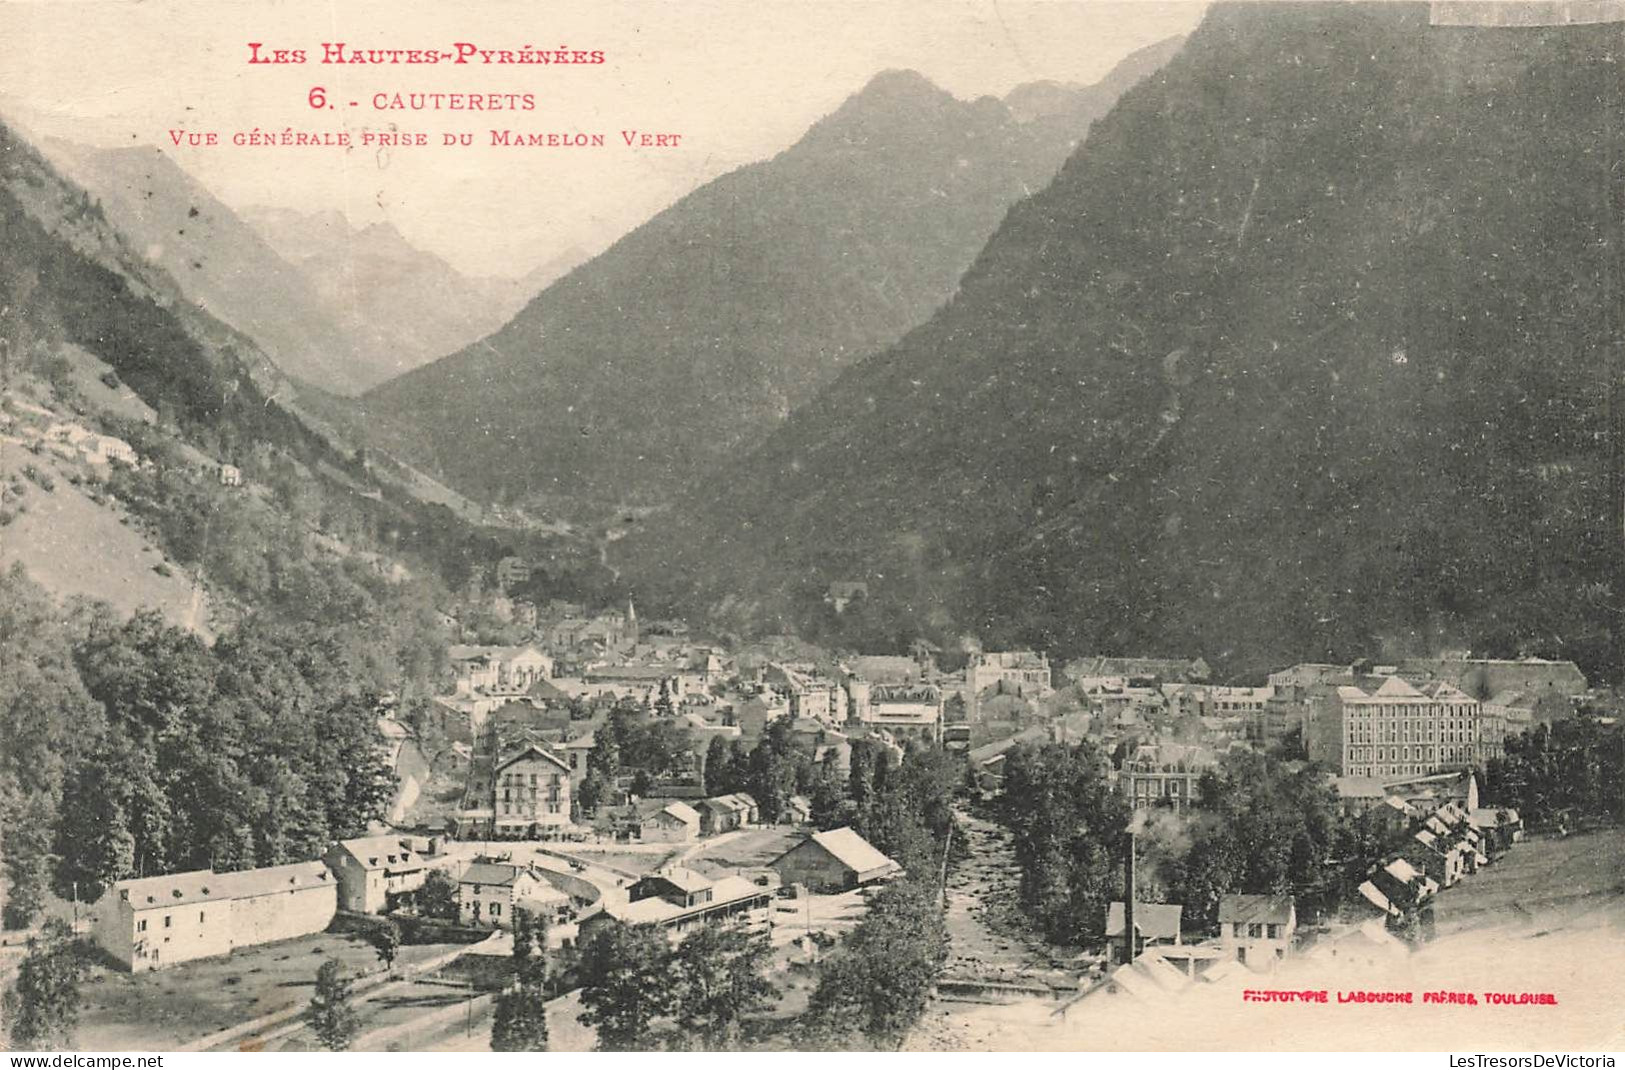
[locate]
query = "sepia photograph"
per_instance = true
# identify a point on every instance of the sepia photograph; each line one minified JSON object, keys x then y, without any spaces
{"x":862,"y":526}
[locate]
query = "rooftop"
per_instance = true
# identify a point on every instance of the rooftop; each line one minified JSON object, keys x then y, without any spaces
{"x":852,"y":850}
{"x":378,"y":852}
{"x":176,"y":889}
{"x":1153,"y":921}
{"x":1251,"y":908}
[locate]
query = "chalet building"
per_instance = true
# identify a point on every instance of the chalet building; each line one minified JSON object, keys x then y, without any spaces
{"x":678,"y":901}
{"x":149,"y":923}
{"x":489,"y":892}
{"x":1386,"y":727}
{"x":375,"y":873}
{"x":529,"y":788}
{"x":676,"y":822}
{"x":229,"y":475}
{"x":1257,"y":929}
{"x":833,"y":861}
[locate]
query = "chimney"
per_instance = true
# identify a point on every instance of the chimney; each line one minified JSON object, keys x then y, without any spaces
{"x":1128,"y":902}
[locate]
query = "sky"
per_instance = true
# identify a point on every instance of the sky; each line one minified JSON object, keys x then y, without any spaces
{"x":738,"y":80}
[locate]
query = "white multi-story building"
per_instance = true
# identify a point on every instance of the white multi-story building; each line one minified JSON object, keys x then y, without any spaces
{"x":149,"y":923}
{"x":1385,"y":727}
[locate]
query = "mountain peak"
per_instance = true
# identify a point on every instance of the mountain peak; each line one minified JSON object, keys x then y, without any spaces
{"x":899,"y":82}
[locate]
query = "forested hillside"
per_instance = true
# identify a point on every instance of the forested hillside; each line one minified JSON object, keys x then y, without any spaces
{"x":702,"y":328}
{"x":1305,"y":351}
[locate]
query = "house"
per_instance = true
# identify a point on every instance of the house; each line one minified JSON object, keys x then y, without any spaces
{"x":149,"y":923}
{"x":376,"y":872}
{"x":575,"y":753}
{"x":1014,"y":672}
{"x":676,"y":822}
{"x":685,"y":887}
{"x":1431,"y":854}
{"x":725,"y":813}
{"x":1398,"y":886}
{"x":1155,"y":925}
{"x":1165,"y":774}
{"x":1499,"y":828}
{"x":229,"y":475}
{"x":679,"y":900}
{"x":1257,"y":929}
{"x":798,"y":810}
{"x":512,"y":571}
{"x":1146,"y":980}
{"x":488,"y":893}
{"x":843,"y":593}
{"x":530,"y":788}
{"x":1357,"y":794}
{"x":833,"y":861}
{"x":70,"y":439}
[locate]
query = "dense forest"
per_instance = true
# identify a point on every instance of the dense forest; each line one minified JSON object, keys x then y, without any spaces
{"x":133,"y":748}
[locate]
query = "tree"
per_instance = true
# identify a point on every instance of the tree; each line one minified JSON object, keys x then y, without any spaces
{"x":438,"y":896}
{"x":330,"y":1015}
{"x":593,"y":791}
{"x":520,"y":1019}
{"x":25,"y":838}
{"x":716,"y":768}
{"x":385,"y":938}
{"x":881,"y":981}
{"x":717,"y":975}
{"x":42,"y":1006}
{"x":624,"y":985}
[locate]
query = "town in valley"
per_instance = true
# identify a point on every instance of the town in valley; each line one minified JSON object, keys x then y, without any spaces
{"x":1118,"y":547}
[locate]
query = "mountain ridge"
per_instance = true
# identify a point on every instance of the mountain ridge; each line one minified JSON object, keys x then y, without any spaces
{"x":704,"y":327}
{"x":1283,"y":365}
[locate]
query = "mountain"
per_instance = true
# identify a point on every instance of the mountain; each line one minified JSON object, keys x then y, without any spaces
{"x":399,"y":306}
{"x":1306,"y":353}
{"x":220,"y":264}
{"x":69,"y":277}
{"x":702,"y":329}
